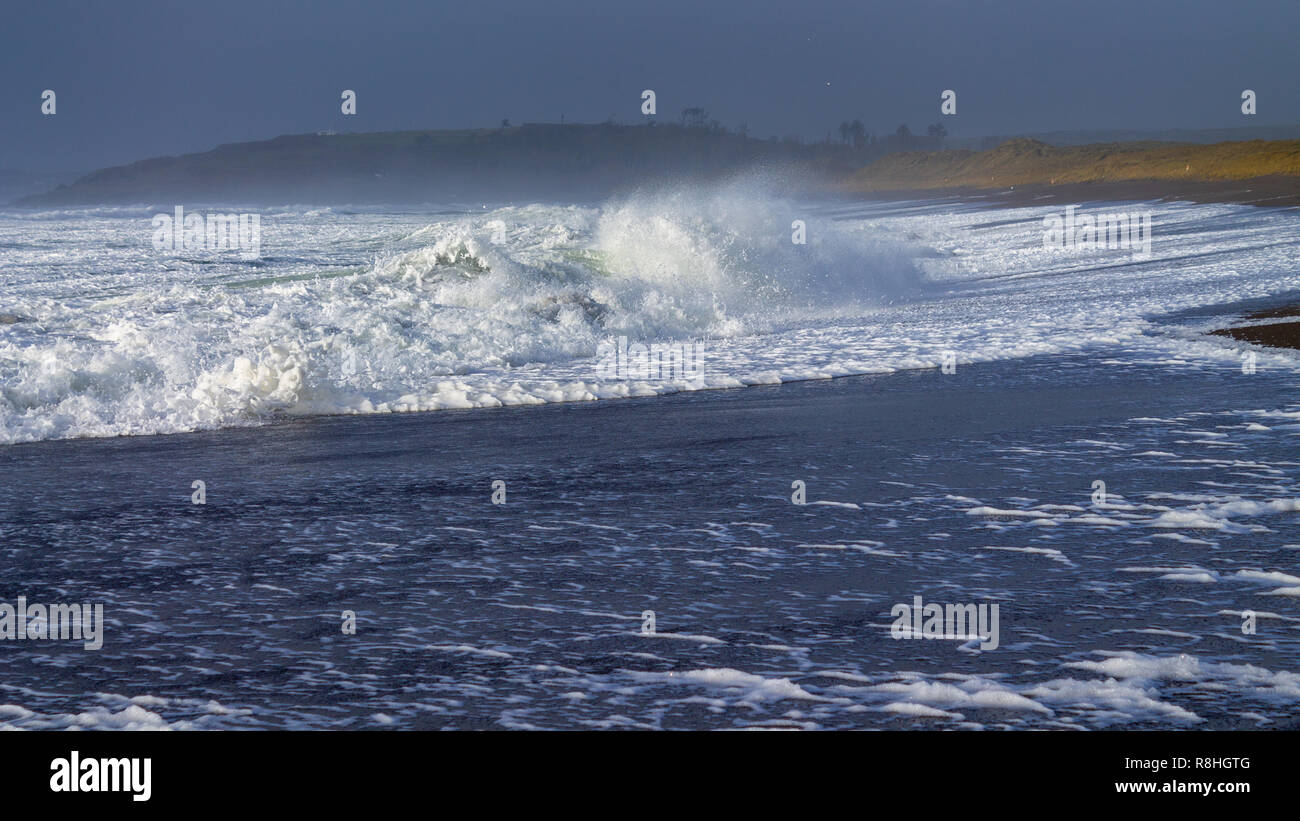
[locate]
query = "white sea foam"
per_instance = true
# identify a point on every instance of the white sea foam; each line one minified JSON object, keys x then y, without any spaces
{"x":115,"y":712}
{"x":356,"y":311}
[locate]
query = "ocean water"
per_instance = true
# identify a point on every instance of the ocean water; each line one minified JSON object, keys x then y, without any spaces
{"x":284,"y":377}
{"x":351,"y":311}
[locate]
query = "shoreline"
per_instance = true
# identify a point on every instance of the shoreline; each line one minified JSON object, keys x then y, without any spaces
{"x":1284,"y":334}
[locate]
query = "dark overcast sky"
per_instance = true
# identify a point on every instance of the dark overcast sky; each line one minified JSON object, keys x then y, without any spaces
{"x":139,"y":79}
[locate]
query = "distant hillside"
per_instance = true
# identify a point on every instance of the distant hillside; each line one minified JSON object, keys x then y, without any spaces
{"x":577,"y":161}
{"x":14,"y":184}
{"x":1174,"y":135}
{"x":532,"y":160}
{"x":1026,"y":162}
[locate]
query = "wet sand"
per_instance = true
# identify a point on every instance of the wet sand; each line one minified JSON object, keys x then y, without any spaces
{"x":1271,"y":334}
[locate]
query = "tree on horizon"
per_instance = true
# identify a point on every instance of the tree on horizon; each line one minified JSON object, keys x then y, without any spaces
{"x":858,"y":132}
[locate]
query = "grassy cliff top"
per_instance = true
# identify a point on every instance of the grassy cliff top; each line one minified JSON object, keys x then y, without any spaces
{"x":1030,"y":162}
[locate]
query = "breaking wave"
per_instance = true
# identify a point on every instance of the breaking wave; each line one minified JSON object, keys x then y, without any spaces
{"x":352,"y":311}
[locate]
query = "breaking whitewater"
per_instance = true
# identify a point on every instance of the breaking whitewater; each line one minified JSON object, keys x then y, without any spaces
{"x":379,"y":311}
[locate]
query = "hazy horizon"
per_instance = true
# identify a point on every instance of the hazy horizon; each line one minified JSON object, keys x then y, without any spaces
{"x":140,"y":79}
